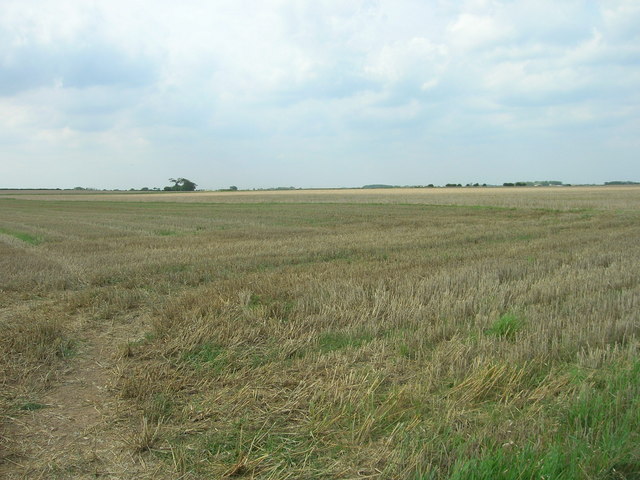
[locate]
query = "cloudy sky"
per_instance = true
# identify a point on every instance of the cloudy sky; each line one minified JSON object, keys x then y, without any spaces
{"x":317,"y":93}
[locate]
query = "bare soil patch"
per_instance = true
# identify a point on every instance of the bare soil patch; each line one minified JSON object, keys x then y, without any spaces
{"x":79,"y":429}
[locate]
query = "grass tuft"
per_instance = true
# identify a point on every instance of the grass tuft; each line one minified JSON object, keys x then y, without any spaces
{"x":144,"y":438}
{"x":506,"y":326}
{"x":31,"y":406}
{"x":332,"y":341}
{"x":206,"y":355}
{"x":166,"y":233}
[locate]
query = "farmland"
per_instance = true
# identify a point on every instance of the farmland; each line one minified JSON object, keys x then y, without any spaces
{"x":410,"y":333}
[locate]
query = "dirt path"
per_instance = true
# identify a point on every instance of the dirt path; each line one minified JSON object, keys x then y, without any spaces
{"x":81,"y":432}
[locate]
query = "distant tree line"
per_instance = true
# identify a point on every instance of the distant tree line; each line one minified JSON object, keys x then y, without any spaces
{"x":186,"y":185}
{"x":537,"y":183}
{"x":384,"y":185}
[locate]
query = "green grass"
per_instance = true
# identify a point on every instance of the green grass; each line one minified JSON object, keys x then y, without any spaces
{"x":31,"y":406}
{"x":159,"y":407}
{"x":506,"y":326}
{"x":332,"y":341}
{"x":598,"y":438}
{"x":406,"y":351}
{"x":23,"y":236}
{"x":166,"y":233}
{"x":207,"y":355}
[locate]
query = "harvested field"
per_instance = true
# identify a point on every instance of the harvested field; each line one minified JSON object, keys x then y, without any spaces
{"x":410,"y":333}
{"x":600,"y":198}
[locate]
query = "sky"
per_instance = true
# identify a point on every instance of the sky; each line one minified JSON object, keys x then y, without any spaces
{"x":319,"y":93}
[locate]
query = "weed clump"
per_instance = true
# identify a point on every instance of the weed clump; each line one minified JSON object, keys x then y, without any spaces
{"x":332,"y":341}
{"x":506,"y":326}
{"x":207,"y":355}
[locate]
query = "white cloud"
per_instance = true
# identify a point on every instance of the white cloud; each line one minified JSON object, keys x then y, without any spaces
{"x":621,"y":19}
{"x":470,"y":32}
{"x":247,"y":81}
{"x":417,"y":59}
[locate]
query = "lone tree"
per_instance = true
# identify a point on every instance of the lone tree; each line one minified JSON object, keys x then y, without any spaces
{"x":181,"y":185}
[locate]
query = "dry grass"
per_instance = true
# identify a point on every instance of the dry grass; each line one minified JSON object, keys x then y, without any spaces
{"x":343,"y":334}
